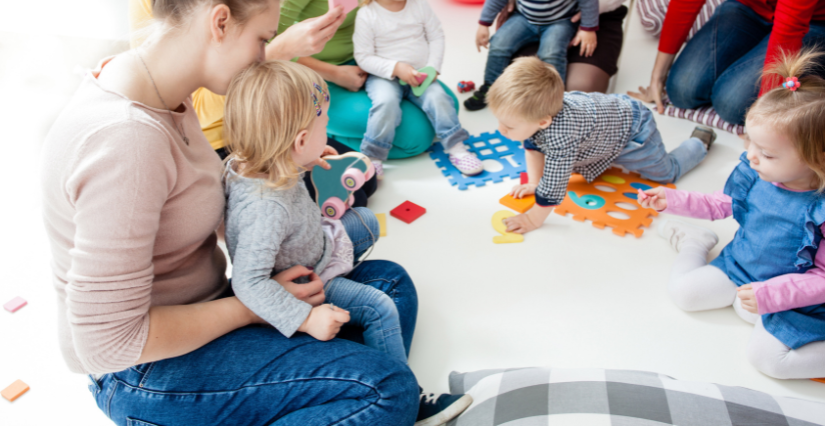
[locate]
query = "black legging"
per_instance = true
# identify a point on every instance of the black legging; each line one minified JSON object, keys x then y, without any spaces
{"x":361,"y":195}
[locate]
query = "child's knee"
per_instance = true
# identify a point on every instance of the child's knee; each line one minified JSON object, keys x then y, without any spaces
{"x":684,"y":295}
{"x":370,"y":221}
{"x":767,"y":362}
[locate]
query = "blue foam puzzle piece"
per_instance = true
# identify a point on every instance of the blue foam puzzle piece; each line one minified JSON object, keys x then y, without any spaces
{"x":491,"y":146}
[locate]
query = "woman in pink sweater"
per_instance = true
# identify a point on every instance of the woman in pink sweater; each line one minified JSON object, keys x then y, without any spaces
{"x":132,"y":198}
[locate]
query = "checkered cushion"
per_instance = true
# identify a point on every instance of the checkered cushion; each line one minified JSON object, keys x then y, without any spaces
{"x":545,"y":396}
{"x":652,"y":14}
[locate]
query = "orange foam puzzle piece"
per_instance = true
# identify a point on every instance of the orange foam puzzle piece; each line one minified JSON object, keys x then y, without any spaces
{"x":600,"y":202}
{"x":822,"y":380}
{"x":14,"y":390}
{"x":520,"y":205}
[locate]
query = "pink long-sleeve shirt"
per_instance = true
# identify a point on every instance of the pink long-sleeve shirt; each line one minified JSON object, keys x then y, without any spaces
{"x":781,"y":293}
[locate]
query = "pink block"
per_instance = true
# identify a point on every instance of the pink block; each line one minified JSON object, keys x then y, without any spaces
{"x":348,"y":5}
{"x":643,"y":196}
{"x":421,"y":77}
{"x":14,"y":304}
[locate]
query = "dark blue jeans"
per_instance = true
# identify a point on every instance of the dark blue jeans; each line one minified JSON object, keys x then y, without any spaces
{"x":722,"y":63}
{"x":256,"y":376}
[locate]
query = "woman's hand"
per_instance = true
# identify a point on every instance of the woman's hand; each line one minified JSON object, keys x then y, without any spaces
{"x":307,"y":37}
{"x":654,"y":198}
{"x":483,"y":37}
{"x":324,"y":322}
{"x":407,"y":73}
{"x":748,"y":298}
{"x":328,"y":150}
{"x":350,"y":77}
{"x":311,"y":292}
{"x":658,"y":78}
{"x":523,"y":190}
{"x":587,"y":40}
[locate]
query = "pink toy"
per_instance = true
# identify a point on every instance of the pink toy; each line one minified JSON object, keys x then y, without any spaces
{"x":349,"y":5}
{"x":643,"y":196}
{"x":421,"y":77}
{"x":465,"y":86}
{"x":14,"y":304}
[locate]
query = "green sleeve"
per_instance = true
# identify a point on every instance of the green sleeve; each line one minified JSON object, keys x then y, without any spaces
{"x":291,"y":11}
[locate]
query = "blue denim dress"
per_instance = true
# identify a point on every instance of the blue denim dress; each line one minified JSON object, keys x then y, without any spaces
{"x":779,"y":233}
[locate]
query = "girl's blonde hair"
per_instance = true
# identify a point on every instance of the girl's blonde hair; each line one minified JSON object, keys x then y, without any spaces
{"x":267,"y":105}
{"x":800,"y":113}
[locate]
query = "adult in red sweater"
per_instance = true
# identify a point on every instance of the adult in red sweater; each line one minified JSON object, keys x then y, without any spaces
{"x":722,"y":63}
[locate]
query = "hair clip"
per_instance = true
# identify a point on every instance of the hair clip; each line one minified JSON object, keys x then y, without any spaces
{"x":315,"y":102}
{"x":320,"y":90}
{"x":791,"y":83}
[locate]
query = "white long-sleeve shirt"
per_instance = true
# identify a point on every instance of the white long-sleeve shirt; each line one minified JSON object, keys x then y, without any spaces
{"x":383,"y":38}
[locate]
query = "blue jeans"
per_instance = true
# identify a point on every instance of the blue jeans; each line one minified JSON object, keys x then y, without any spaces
{"x":722,"y":63}
{"x":645,"y":152}
{"x":385,"y":115}
{"x":369,"y":308}
{"x":517,"y":32}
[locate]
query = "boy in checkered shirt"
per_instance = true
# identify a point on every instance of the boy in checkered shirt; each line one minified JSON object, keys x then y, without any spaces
{"x":582,"y":133}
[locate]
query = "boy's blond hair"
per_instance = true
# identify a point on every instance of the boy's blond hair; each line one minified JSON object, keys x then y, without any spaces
{"x":528,"y":88}
{"x":267,"y":105}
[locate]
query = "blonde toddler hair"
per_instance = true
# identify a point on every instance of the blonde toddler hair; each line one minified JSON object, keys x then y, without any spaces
{"x":267,"y":105}
{"x":799,"y":114}
{"x":528,"y":88}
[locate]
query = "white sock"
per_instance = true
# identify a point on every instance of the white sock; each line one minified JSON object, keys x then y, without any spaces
{"x":375,"y":161}
{"x":459,"y":150}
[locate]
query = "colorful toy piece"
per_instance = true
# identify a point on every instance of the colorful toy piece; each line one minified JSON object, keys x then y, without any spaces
{"x":501,"y":228}
{"x":465,"y":86}
{"x":425,"y":78}
{"x":642,"y":196}
{"x":408,"y":212}
{"x":610,"y":197}
{"x":349,"y":5}
{"x":520,"y":205}
{"x":14,"y":304}
{"x":822,"y":380}
{"x":334,"y":187}
{"x":14,"y":390}
{"x":486,"y":146}
{"x":382,"y":223}
{"x":524,"y":178}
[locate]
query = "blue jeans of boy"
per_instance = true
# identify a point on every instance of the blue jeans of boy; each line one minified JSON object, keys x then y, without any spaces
{"x":370,"y":309}
{"x":385,"y":115}
{"x":517,"y":32}
{"x":721,"y":64}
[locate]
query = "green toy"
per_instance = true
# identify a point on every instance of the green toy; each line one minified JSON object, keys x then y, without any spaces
{"x":425,"y":78}
{"x":334,"y":187}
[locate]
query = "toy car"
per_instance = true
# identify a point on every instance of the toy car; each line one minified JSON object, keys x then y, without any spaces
{"x":334,"y":187}
{"x":465,"y":86}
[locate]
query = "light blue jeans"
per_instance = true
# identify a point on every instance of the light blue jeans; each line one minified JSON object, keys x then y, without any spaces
{"x":645,"y":152}
{"x":369,"y":308}
{"x":385,"y":115}
{"x":517,"y":32}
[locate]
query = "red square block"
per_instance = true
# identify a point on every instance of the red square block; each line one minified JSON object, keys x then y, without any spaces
{"x":408,"y":212}
{"x":524,"y":178}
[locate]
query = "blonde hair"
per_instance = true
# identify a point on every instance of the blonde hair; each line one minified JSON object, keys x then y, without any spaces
{"x":267,"y":105}
{"x":799,"y":114}
{"x":176,"y":11}
{"x":528,"y":88}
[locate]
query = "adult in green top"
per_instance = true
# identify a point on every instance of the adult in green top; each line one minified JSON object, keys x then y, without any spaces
{"x":335,"y":62}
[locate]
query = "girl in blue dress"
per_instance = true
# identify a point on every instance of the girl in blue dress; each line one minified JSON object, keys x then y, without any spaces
{"x":773,"y":272}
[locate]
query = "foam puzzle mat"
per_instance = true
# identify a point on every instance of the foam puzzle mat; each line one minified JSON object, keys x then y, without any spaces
{"x":487,"y":146}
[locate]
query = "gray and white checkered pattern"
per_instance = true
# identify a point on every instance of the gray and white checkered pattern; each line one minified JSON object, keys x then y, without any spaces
{"x":585,"y":137}
{"x":544,"y":396}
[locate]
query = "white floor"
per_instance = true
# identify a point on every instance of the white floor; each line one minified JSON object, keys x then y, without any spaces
{"x":569,"y":296}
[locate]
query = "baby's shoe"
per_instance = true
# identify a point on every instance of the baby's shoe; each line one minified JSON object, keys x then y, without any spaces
{"x":434,"y":411}
{"x":704,"y":134}
{"x":677,"y":232}
{"x":478,"y":100}
{"x":465,"y":161}
{"x":378,"y":165}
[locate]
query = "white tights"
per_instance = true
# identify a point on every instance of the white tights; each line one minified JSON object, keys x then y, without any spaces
{"x":696,"y":286}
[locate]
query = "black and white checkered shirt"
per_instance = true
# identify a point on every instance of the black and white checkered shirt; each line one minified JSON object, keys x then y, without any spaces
{"x":585,"y":137}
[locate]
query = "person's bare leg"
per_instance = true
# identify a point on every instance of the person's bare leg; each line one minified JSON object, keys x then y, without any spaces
{"x":587,"y":78}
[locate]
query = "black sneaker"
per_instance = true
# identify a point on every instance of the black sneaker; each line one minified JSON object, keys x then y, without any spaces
{"x":704,"y":134}
{"x":437,"y":412}
{"x":478,"y":100}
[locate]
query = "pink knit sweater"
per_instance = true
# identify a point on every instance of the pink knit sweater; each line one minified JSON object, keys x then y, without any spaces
{"x":131,"y":212}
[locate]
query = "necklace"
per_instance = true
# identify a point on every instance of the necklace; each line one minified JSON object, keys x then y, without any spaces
{"x":179,"y":128}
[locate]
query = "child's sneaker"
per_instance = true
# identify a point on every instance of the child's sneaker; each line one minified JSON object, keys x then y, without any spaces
{"x":465,"y":161}
{"x":704,"y":134}
{"x":677,"y":232}
{"x":378,"y":165}
{"x":478,"y":100}
{"x":436,"y":412}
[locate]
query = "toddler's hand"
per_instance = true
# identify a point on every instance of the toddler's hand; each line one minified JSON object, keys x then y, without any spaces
{"x":587,"y":39}
{"x":483,"y":37}
{"x":328,"y":150}
{"x":324,"y":322}
{"x":654,"y":199}
{"x":521,"y":224}
{"x":748,"y":298}
{"x":521,"y":191}
{"x":406,"y":72}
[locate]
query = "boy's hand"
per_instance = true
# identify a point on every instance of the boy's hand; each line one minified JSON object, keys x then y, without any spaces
{"x":521,"y":191}
{"x":655,"y":199}
{"x":748,"y":298}
{"x":587,"y":40}
{"x":530,"y":221}
{"x":328,"y":150}
{"x":483,"y":37}
{"x":324,"y":322}
{"x":406,"y":72}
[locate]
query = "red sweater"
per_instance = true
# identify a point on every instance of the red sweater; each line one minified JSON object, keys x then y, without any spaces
{"x":790,"y":19}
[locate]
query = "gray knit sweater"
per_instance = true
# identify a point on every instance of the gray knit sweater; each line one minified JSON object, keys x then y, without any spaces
{"x":267,"y":231}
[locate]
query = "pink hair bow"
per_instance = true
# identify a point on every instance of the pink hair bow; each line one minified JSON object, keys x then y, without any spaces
{"x":791,"y":83}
